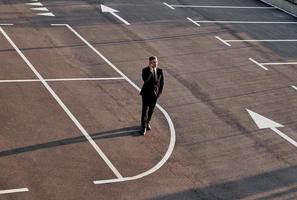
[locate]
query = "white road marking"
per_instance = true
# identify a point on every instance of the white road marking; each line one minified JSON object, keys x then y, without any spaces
{"x":113,"y":12}
{"x":223,"y":7}
{"x":34,"y":4}
{"x":293,"y":86}
{"x":223,"y":41}
{"x":40,"y":9}
{"x":245,"y":22}
{"x":14,"y":191}
{"x":170,"y":123}
{"x":6,"y":24}
{"x":193,"y":21}
{"x":287,"y":63}
{"x":46,"y":14}
{"x":290,"y":40}
{"x":71,"y":116}
{"x":259,"y":64}
{"x":166,"y":4}
{"x":19,"y":81}
{"x":263,"y":123}
{"x":62,"y":79}
{"x":279,"y":8}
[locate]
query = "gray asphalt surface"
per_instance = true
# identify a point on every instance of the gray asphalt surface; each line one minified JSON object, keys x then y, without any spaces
{"x":219,"y":152}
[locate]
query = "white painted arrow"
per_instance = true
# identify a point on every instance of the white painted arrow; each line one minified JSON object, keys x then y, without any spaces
{"x":113,"y":12}
{"x":263,"y":122}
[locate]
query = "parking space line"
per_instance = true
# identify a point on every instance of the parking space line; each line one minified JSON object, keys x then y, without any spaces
{"x":14,"y":191}
{"x":279,"y":8}
{"x":67,"y":111}
{"x":191,"y":20}
{"x":290,"y":40}
{"x":274,"y":63}
{"x":259,"y":64}
{"x":173,"y":6}
{"x":226,"y":43}
{"x":170,"y":123}
{"x":166,"y":4}
{"x":245,"y":22}
{"x":293,"y":86}
{"x":62,"y":79}
{"x":286,"y":63}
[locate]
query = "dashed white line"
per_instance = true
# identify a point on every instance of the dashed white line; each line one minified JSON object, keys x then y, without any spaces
{"x":67,"y":111}
{"x":40,"y":9}
{"x":223,"y":41}
{"x":188,"y":18}
{"x":50,"y":14}
{"x":14,"y":191}
{"x":259,"y":64}
{"x":34,"y":4}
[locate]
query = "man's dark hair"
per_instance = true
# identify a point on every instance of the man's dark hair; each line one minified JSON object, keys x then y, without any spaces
{"x":152,"y":58}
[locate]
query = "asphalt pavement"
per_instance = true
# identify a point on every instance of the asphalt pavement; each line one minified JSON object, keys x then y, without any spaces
{"x":225,"y":126}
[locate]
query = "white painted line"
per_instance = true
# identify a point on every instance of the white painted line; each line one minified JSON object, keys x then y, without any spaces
{"x":246,"y":22}
{"x":14,"y":191}
{"x":62,"y":79}
{"x":279,"y":8}
{"x":120,"y":18}
{"x":288,"y":63}
{"x":166,"y":4}
{"x":226,"y":43}
{"x":71,"y":116}
{"x":259,"y":64}
{"x":290,"y":140}
{"x":6,"y":24}
{"x":46,"y":14}
{"x":170,"y":123}
{"x":40,"y":9}
{"x":34,"y":4}
{"x":86,"y":79}
{"x":19,"y":81}
{"x":193,"y":21}
{"x":224,"y":7}
{"x":292,"y":40}
{"x":293,"y":86}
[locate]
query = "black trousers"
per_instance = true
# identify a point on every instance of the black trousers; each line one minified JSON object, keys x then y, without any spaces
{"x":148,"y":106}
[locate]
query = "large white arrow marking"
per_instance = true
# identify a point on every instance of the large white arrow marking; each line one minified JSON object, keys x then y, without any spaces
{"x":113,"y":12}
{"x":263,"y":122}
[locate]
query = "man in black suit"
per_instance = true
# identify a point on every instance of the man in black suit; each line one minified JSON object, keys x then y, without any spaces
{"x":151,"y":90}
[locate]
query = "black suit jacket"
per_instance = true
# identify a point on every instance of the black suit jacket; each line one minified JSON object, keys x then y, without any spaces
{"x":151,"y":87}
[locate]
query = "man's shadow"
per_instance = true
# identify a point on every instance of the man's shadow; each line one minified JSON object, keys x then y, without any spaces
{"x":128,"y":131}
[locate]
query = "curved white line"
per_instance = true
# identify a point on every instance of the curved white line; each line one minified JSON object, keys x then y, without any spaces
{"x":170,"y":123}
